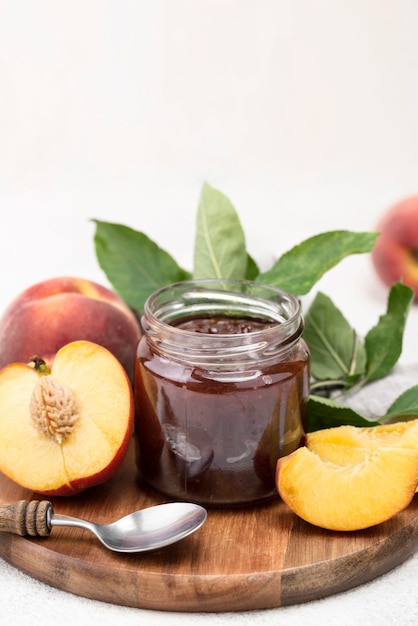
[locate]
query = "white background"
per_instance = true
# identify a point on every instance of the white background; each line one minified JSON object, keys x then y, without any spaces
{"x":305,"y":113}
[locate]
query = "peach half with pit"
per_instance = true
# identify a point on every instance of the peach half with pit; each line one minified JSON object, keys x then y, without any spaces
{"x":67,"y":428}
{"x":52,"y":313}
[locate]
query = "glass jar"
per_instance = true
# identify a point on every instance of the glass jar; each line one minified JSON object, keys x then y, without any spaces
{"x":221,"y":386}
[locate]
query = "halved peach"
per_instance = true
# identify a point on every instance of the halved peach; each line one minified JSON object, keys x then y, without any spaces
{"x":69,"y":428}
{"x":348,"y":496}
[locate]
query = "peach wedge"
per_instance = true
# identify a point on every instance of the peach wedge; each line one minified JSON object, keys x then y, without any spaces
{"x":66,"y":429}
{"x":346,"y":443}
{"x":350,"y":496}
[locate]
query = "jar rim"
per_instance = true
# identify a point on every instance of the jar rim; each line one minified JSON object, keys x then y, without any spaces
{"x":171,"y":302}
{"x":190,"y":299}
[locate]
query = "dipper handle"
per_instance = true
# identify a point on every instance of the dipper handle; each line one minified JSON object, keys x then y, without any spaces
{"x":26,"y":518}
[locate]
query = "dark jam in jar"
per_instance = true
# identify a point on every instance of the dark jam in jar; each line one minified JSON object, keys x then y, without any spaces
{"x":219,"y":397}
{"x":223,"y":325}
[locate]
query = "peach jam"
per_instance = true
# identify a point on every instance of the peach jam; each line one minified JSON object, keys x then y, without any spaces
{"x":221,"y":386}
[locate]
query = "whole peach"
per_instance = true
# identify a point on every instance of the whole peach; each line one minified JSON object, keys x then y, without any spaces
{"x":395,"y":254}
{"x":57,"y":311}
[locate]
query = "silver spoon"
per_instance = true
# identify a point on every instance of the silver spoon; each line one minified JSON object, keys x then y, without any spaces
{"x":148,"y":529}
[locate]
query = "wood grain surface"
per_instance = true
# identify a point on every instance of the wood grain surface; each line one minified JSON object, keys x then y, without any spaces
{"x":240,"y":559}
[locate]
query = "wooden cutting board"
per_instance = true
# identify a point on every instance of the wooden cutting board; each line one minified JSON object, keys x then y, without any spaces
{"x":239,"y":560}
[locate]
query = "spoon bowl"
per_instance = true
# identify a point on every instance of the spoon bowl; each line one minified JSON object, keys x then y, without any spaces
{"x":141,"y":531}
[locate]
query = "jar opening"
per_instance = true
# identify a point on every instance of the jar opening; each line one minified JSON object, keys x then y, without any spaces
{"x":264,"y":320}
{"x":226,"y":297}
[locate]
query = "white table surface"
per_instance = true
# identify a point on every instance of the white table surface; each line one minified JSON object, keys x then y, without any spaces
{"x":304,"y":114}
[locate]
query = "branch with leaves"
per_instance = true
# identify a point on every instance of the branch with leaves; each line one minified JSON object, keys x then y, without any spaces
{"x":341,"y":361}
{"x":136,"y":266}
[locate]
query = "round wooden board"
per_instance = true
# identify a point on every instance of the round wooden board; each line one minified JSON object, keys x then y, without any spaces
{"x":240,"y":559}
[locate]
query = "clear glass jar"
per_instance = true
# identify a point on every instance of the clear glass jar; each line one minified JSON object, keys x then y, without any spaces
{"x":221,"y":385}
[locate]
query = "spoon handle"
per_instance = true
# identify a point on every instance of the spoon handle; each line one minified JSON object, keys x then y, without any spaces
{"x":26,"y":518}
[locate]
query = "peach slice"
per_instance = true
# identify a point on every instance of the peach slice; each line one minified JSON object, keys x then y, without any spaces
{"x":69,"y":428}
{"x":346,"y":443}
{"x":350,"y":496}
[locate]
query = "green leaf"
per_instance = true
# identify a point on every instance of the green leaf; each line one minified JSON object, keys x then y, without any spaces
{"x":302,"y":266}
{"x":325,"y":413}
{"x":384,"y":341}
{"x":336,"y":352}
{"x":404,"y":408}
{"x":133,"y":264}
{"x":252,"y":269}
{"x":219,"y":250}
